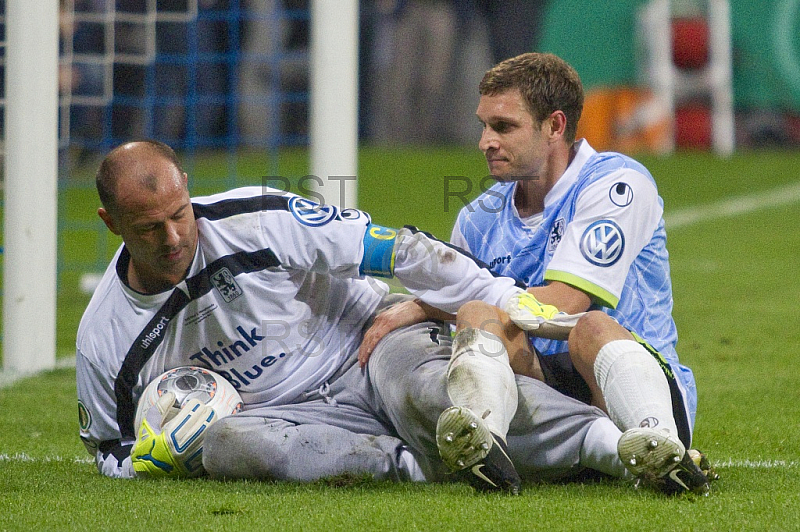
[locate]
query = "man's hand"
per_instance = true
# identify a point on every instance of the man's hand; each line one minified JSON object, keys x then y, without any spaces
{"x":397,"y":316}
{"x":169,"y":443}
{"x":540,"y":319}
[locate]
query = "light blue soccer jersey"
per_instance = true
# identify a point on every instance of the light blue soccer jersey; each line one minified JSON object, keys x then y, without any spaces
{"x":602,"y":231}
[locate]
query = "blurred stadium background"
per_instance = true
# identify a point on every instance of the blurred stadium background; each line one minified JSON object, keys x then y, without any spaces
{"x":226,"y":82}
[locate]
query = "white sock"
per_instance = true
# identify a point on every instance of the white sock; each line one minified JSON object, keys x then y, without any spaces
{"x":479,"y":376}
{"x":634,"y":387}
{"x":599,"y":450}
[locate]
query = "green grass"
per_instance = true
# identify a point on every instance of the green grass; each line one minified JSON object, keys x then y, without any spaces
{"x":736,"y":289}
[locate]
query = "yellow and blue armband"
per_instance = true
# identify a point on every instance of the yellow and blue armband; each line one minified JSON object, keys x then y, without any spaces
{"x":378,"y":258}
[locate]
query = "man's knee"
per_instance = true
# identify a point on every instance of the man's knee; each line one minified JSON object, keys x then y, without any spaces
{"x":229,"y":451}
{"x":218,"y":438}
{"x":592,"y":332}
{"x":479,"y":315}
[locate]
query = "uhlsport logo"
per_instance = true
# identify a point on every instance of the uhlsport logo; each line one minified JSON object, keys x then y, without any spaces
{"x":312,"y":214}
{"x":621,"y":194}
{"x":602,"y":243}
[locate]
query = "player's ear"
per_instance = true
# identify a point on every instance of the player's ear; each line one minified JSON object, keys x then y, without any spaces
{"x":557,"y":124}
{"x":103,"y":214}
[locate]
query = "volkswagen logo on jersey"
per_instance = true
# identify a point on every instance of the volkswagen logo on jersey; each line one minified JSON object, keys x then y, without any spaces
{"x":602,"y":243}
{"x":309,"y":213}
{"x":621,"y":194}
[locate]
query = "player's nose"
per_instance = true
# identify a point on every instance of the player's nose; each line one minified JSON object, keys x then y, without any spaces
{"x":488,"y":140}
{"x":172,"y":235}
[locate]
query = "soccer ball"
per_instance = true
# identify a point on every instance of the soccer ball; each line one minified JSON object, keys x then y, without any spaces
{"x":190,"y":382}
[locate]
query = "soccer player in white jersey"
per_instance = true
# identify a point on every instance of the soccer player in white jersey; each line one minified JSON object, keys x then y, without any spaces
{"x":273,"y":292}
{"x":585,"y":231}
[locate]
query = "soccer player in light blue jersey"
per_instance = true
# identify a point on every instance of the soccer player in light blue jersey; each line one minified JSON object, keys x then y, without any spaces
{"x":584,"y":231}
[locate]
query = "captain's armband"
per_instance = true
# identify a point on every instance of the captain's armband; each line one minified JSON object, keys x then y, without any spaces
{"x":378,"y":258}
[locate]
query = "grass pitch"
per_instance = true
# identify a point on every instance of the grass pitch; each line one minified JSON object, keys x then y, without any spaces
{"x":736,"y":288}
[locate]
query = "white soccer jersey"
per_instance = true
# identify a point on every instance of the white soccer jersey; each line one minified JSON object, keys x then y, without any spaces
{"x":275,"y":301}
{"x":601,"y":231}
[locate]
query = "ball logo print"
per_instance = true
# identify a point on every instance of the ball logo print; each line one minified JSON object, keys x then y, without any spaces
{"x":190,"y":382}
{"x":312,"y":214}
{"x":602,"y":243}
{"x":621,"y":194}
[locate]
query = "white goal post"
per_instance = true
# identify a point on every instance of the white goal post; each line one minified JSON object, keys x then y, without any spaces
{"x":30,"y":187}
{"x":333,"y":117}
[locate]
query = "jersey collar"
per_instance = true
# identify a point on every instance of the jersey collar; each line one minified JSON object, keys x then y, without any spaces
{"x":583,"y":152}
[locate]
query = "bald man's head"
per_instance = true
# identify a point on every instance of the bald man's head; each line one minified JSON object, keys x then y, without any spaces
{"x":136,"y":161}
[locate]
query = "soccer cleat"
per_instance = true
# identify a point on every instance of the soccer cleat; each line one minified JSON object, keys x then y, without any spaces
{"x":466,"y":444}
{"x":659,"y":460}
{"x":701,"y":460}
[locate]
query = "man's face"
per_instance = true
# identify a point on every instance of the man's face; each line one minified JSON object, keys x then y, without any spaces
{"x":515,"y":146}
{"x":157,"y":225}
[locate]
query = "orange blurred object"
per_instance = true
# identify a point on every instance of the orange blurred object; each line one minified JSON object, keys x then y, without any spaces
{"x":624,"y":119}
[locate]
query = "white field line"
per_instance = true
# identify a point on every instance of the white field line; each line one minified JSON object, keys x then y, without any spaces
{"x":785,"y":195}
{"x":756,"y":464}
{"x":725,"y":464}
{"x":23,"y":457}
{"x":777,"y":197}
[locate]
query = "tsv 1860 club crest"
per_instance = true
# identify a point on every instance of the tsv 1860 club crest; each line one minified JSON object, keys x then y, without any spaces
{"x":556,"y":234}
{"x":225,"y":283}
{"x":602,"y":243}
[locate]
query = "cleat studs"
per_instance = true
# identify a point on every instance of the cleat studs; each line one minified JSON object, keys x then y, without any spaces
{"x":632,"y":461}
{"x":676,"y":458}
{"x":460,"y":463}
{"x":485,"y":446}
{"x":473,"y":426}
{"x":653,"y":444}
{"x":449,"y":437}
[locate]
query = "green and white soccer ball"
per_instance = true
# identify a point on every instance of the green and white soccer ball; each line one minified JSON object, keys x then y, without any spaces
{"x":190,"y":382}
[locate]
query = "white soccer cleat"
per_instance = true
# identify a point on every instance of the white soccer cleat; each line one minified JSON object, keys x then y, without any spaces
{"x":466,"y":443}
{"x":462,"y":437}
{"x":646,"y":450}
{"x":659,"y":459}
